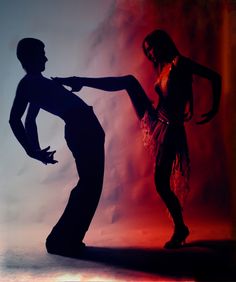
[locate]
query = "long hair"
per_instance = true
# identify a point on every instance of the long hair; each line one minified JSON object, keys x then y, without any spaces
{"x":161,"y":41}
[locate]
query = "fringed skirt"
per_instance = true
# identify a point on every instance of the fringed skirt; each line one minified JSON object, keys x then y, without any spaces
{"x":165,"y":138}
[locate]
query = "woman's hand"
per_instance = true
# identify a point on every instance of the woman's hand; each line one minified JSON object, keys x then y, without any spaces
{"x":74,"y":82}
{"x":45,"y":156}
{"x":188,"y":115}
{"x":207,"y":117}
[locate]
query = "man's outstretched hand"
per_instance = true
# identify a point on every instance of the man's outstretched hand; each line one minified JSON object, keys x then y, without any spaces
{"x":44,"y":155}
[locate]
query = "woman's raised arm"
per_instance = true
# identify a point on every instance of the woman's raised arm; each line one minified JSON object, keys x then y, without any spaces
{"x":215,"y":80}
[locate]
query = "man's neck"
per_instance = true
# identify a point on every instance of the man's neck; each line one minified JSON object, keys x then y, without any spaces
{"x":31,"y":73}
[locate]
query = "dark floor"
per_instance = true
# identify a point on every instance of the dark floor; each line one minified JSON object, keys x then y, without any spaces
{"x":196,"y":261}
{"x":199,"y":260}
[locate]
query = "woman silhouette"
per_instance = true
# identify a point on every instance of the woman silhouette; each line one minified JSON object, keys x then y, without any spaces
{"x":163,"y":126}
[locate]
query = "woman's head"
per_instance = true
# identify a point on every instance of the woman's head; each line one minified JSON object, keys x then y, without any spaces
{"x":159,"y":47}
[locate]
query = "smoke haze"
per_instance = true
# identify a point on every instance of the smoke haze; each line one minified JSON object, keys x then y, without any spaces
{"x":86,"y":39}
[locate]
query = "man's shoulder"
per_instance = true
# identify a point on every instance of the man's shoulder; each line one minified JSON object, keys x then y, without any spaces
{"x":22,"y":85}
{"x":26,"y":85}
{"x":26,"y":81}
{"x":31,"y":79}
{"x":30,"y":82}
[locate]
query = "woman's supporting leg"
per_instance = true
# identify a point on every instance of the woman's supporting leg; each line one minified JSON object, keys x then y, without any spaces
{"x":162,"y":181}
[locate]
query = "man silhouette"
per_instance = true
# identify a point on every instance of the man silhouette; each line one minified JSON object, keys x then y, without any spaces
{"x":84,"y":136}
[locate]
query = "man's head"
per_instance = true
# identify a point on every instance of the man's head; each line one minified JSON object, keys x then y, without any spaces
{"x":31,"y":54}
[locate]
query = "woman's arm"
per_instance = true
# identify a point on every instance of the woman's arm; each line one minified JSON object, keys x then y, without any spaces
{"x":189,"y":109}
{"x":215,"y":80}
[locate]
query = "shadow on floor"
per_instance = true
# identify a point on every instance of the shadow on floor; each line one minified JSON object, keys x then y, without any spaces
{"x":199,"y":260}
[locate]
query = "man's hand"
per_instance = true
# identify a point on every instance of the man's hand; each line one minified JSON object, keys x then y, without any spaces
{"x":73,"y":82}
{"x":44,"y":155}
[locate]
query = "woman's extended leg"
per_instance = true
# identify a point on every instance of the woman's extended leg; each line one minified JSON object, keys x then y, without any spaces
{"x":138,"y":97}
{"x":129,"y":83}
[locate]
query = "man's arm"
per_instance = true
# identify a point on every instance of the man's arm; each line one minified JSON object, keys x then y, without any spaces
{"x":31,"y":126}
{"x":18,"y":108}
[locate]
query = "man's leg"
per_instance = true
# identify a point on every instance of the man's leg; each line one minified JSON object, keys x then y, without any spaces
{"x":88,"y":152}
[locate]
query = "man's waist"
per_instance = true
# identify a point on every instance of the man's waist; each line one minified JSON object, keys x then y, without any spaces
{"x":78,"y":112}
